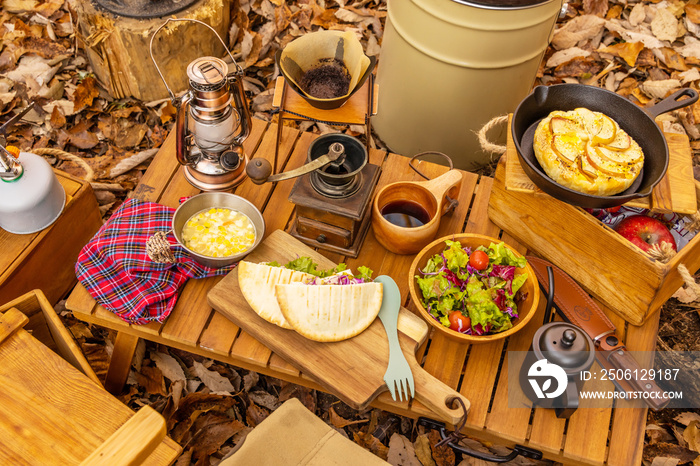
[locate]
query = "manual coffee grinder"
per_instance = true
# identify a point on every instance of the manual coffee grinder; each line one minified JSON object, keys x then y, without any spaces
{"x":212,"y":121}
{"x":333,"y":193}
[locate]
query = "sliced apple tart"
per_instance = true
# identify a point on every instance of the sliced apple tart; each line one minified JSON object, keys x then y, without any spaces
{"x":588,"y":152}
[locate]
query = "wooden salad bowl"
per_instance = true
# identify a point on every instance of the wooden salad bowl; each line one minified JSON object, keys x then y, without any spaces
{"x":527,"y":307}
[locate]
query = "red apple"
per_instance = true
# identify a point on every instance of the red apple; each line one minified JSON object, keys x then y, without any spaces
{"x":645,"y":231}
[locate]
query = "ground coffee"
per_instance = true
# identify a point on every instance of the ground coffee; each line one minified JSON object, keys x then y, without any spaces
{"x":329,"y":80}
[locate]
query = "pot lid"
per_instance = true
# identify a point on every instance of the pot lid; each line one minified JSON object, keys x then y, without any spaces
{"x":565,"y":345}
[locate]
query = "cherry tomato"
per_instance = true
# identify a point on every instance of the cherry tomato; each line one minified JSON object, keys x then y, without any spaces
{"x":479,"y":260}
{"x":458,"y":321}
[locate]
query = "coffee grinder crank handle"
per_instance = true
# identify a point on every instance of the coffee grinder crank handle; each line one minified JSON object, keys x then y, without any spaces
{"x":259,"y":170}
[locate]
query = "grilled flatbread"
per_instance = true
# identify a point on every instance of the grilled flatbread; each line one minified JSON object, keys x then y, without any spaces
{"x":257,"y":283}
{"x":588,"y":152}
{"x":330,"y":312}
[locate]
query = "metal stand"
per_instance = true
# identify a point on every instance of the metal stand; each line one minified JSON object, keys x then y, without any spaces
{"x":357,"y":110}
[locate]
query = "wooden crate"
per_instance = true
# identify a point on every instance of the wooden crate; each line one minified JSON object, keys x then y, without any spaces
{"x":607,"y":265}
{"x":46,"y":326}
{"x":46,"y":259}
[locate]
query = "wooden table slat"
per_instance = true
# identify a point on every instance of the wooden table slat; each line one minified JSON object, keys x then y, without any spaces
{"x":590,"y":413}
{"x":251,"y":350}
{"x":547,"y":431}
{"x":629,"y":424}
{"x":278,"y":364}
{"x":160,"y":172}
{"x":513,"y":421}
{"x":258,"y":194}
{"x":279,"y":210}
{"x":191,"y":313}
{"x":218,"y":335}
{"x":80,"y":301}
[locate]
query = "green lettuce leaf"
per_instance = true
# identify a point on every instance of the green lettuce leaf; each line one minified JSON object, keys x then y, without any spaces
{"x":501,"y":255}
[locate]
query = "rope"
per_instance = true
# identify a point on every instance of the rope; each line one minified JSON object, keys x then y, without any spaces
{"x":662,"y":252}
{"x":158,"y":248}
{"x":694,"y":224}
{"x":63,"y":155}
{"x":487,"y":145}
{"x":689,"y":280}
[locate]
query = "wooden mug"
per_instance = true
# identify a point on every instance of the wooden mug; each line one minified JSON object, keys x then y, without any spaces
{"x":431,"y":195}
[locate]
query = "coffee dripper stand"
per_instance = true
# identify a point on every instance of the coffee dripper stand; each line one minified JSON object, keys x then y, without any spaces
{"x":357,"y":110}
{"x":212,"y":121}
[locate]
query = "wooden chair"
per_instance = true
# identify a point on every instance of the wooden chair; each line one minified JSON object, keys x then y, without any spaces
{"x":54,"y":414}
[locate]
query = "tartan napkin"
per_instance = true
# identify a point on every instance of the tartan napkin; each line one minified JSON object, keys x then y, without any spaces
{"x":115,"y":269}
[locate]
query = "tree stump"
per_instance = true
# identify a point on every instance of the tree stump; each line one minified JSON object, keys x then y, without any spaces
{"x":117,"y":46}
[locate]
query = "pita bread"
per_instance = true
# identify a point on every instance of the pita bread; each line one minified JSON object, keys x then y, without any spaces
{"x":330,"y":312}
{"x":257,"y":283}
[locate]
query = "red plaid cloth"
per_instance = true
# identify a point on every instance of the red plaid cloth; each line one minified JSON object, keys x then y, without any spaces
{"x":117,"y":272}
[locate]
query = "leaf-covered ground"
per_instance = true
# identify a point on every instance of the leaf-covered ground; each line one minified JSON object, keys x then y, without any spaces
{"x":643,"y":50}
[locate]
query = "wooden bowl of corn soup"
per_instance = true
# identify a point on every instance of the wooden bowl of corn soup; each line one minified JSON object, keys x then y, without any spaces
{"x":218,"y":229}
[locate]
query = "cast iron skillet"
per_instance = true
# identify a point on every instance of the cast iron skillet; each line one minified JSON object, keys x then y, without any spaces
{"x":637,"y":122}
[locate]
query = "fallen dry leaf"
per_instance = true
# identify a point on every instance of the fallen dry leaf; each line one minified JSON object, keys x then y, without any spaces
{"x":191,"y":407}
{"x":255,"y":414}
{"x":84,"y":93}
{"x":657,"y":434}
{"x":151,"y":379}
{"x":595,"y":7}
{"x":660,"y":89}
{"x":57,"y":119}
{"x":664,"y":25}
{"x":264,"y":399}
{"x":213,"y":380}
{"x":371,"y":443}
{"x":692,"y":13}
{"x":168,"y":365}
{"x":564,"y":56}
{"x":401,"y":452}
{"x":578,"y":29}
{"x":131,"y":161}
{"x":212,"y":431}
{"x":443,"y":455}
{"x":81,"y":137}
{"x":338,"y":421}
{"x":628,"y":51}
{"x":668,"y":450}
{"x":671,"y":58}
{"x":665,"y":461}
{"x":691,"y":434}
{"x":423,"y":451}
{"x":129,"y":133}
{"x":687,"y":417}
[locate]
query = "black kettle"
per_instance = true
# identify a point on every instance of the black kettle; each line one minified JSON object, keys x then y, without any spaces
{"x":551,"y":373}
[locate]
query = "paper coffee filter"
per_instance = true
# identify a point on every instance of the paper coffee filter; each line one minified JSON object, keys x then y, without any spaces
{"x":308,"y":51}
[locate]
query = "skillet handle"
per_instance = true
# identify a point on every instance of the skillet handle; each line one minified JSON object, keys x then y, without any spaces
{"x":672,"y":102}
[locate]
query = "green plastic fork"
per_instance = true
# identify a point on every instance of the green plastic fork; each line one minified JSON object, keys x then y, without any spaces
{"x":398,"y":372}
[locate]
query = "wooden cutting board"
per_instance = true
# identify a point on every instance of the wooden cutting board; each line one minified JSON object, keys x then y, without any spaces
{"x":352,"y":369}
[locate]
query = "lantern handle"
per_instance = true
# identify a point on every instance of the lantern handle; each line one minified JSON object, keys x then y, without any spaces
{"x":239,"y":70}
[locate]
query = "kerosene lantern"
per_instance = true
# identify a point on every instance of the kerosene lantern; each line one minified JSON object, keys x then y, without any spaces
{"x":212,"y":122}
{"x":333,"y":193}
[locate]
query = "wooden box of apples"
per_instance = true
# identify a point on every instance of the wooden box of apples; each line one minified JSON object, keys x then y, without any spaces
{"x":614,"y":269}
